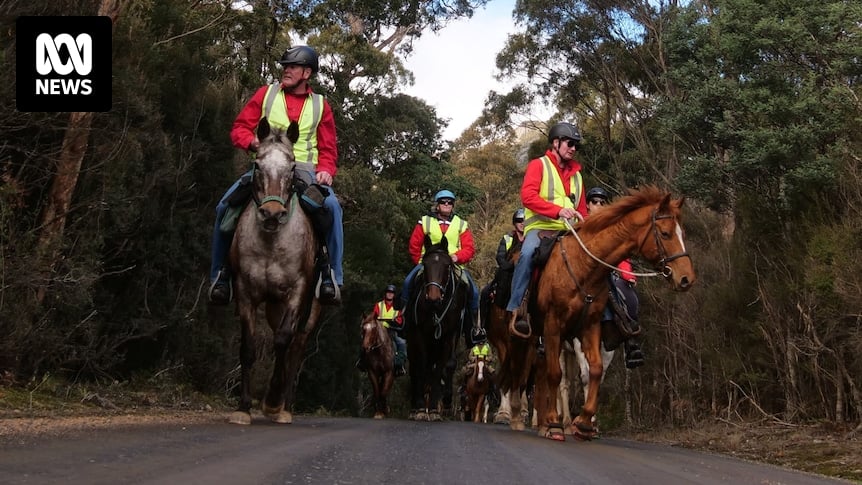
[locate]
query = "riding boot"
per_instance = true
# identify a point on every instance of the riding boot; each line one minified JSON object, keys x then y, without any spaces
{"x":328,"y":294}
{"x":634,"y":355}
{"x":221,"y":292}
{"x":360,"y":362}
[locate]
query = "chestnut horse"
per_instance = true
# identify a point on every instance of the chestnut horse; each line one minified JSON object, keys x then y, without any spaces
{"x":433,"y":317}
{"x":477,"y":385}
{"x":378,"y":352}
{"x":570,"y":295}
{"x":273,"y":257}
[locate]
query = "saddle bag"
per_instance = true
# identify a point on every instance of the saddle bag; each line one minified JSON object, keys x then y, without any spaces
{"x":311,"y":197}
{"x":236,"y":202}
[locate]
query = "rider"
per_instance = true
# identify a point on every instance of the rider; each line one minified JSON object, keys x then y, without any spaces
{"x":461,"y":249}
{"x":624,"y":287}
{"x":513,"y":238}
{"x":393,"y":321}
{"x":290,"y":100}
{"x":552,"y":190}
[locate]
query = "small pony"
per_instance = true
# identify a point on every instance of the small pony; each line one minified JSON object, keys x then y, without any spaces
{"x":477,"y":386}
{"x":378,"y":353}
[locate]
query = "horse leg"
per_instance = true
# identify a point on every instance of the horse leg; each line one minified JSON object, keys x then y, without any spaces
{"x":590,"y":345}
{"x":281,"y":318}
{"x":247,"y":357}
{"x":549,"y":386}
{"x":504,"y":412}
{"x":388,"y":379}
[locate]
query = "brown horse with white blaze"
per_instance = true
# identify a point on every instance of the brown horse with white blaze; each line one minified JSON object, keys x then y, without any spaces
{"x":273,"y":256}
{"x":378,"y":353}
{"x":572,"y":290}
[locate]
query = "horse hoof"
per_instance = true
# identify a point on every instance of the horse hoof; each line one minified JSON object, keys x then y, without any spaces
{"x":517,"y":425}
{"x":283,"y":417}
{"x":554,"y":433}
{"x":379,"y":416}
{"x":501,"y":418}
{"x":434,"y":417}
{"x":240,"y":417}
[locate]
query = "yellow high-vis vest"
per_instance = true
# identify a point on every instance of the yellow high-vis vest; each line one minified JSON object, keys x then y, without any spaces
{"x":275,"y":110}
{"x":553,"y":191}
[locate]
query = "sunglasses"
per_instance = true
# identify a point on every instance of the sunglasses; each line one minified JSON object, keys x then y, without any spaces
{"x":570,"y":143}
{"x":597,"y":202}
{"x":446,"y":202}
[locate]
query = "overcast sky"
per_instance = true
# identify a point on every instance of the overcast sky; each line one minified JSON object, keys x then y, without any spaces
{"x":455,"y":68}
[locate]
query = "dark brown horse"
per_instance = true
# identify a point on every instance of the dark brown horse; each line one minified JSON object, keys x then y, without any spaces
{"x":378,"y":352}
{"x":434,"y":313}
{"x":273,"y":255}
{"x":516,"y":358}
{"x":572,"y":290}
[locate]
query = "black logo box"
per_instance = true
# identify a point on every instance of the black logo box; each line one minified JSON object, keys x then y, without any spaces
{"x":99,"y":78}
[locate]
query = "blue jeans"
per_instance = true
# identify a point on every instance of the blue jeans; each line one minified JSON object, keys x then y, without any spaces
{"x":334,"y":239}
{"x":523,"y":270}
{"x":473,"y":297}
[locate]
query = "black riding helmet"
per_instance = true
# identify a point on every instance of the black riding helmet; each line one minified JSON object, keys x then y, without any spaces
{"x":300,"y":55}
{"x":598,"y":192}
{"x":390,"y":288}
{"x":518,"y":216}
{"x":565,"y":130}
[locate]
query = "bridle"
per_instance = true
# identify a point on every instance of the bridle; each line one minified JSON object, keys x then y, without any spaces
{"x":666,"y":270}
{"x":255,"y":169}
{"x":447,"y":296}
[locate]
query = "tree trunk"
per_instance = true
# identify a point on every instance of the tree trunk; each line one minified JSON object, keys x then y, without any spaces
{"x":75,"y":144}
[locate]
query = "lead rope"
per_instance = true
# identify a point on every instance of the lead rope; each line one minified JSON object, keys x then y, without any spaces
{"x":584,"y":247}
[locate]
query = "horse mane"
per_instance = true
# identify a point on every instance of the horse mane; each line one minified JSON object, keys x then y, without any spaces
{"x":636,"y":198}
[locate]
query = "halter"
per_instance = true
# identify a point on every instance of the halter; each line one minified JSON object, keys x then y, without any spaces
{"x":666,"y":270}
{"x":255,"y":168}
{"x":448,"y":297}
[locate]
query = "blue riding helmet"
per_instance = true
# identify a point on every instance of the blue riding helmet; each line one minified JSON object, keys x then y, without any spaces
{"x":444,"y":194}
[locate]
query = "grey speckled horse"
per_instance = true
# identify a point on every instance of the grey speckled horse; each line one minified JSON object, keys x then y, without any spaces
{"x":273,"y":255}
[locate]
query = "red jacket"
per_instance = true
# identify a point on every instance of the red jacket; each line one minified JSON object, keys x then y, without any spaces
{"x":626,"y":265}
{"x":417,"y":240}
{"x":533,"y":181}
{"x":245,"y":127}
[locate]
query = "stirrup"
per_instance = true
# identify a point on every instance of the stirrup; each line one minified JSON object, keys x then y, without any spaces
{"x":513,"y":327}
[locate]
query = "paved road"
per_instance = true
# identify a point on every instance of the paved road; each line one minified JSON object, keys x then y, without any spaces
{"x":316,"y":450}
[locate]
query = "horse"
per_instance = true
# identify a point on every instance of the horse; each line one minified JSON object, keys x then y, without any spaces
{"x":273,"y":257}
{"x":477,"y":385}
{"x":378,"y":352}
{"x":433,"y":316}
{"x":569,"y":297}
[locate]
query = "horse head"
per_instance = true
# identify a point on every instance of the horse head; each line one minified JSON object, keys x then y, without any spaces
{"x":663,"y":243}
{"x":370,"y":329}
{"x":437,"y":269}
{"x":272,"y":174}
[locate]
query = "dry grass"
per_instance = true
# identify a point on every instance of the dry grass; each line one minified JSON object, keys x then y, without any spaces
{"x":826,"y":449}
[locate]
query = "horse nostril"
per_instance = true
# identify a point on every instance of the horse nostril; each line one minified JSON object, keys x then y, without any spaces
{"x":683,"y":282}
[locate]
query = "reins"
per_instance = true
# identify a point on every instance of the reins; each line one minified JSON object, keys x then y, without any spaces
{"x":612,"y":267}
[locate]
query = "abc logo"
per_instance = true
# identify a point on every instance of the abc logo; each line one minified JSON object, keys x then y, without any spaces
{"x":48,"y":61}
{"x":63,"y":64}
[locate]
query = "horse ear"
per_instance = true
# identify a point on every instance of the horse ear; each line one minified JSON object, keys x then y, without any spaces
{"x":444,"y":243}
{"x":263,"y":129}
{"x":427,"y":243}
{"x":665,"y":202}
{"x":680,"y":202}
{"x":293,"y":132}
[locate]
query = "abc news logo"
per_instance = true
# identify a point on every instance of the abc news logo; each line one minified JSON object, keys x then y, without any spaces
{"x":63,"y":64}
